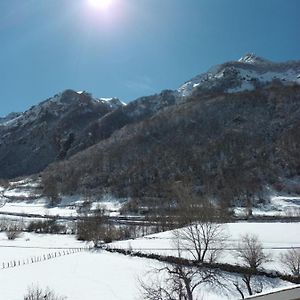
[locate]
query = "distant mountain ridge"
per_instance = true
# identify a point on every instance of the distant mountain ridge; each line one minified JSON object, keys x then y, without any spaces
{"x":249,"y":72}
{"x":70,"y":122}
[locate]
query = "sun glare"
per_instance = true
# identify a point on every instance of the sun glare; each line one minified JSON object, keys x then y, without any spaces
{"x":100,"y":4}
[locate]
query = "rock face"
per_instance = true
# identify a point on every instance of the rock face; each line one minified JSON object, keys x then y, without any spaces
{"x":156,"y":138}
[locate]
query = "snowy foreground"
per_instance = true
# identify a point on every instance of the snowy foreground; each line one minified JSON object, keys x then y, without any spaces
{"x":79,"y":276}
{"x":98,"y":275}
{"x":94,"y":276}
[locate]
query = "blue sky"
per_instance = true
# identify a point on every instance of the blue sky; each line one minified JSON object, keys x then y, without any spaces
{"x":133,"y":47}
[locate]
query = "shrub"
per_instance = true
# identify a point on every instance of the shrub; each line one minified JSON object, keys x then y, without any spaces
{"x":49,"y":226}
{"x":13,"y":232}
{"x":36,"y":293}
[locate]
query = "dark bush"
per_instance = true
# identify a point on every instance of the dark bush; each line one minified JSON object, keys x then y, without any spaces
{"x":49,"y":226}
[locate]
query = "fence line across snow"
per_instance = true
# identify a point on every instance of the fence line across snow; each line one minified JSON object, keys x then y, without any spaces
{"x":40,"y":258}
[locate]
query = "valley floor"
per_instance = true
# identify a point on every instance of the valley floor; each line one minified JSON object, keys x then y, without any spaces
{"x":94,"y":275}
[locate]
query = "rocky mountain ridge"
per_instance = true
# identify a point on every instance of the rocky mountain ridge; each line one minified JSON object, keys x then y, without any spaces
{"x":48,"y":131}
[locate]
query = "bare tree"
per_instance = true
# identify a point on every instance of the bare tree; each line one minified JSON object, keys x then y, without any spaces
{"x":3,"y":224}
{"x":291,"y":260}
{"x":36,"y":293}
{"x":177,"y":282}
{"x":50,"y":189}
{"x":190,"y":206}
{"x":250,"y":252}
{"x":204,"y":240}
{"x":12,"y":232}
{"x":92,"y":228}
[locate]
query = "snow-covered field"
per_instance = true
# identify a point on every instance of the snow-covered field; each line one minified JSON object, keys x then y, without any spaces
{"x":274,"y":236}
{"x":90,"y":275}
{"x":29,"y":245}
{"x":37,"y":207}
{"x":279,"y":206}
{"x":284,"y":206}
{"x":79,"y":276}
{"x":67,"y":208}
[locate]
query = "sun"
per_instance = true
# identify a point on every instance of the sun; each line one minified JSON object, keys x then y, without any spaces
{"x":100,"y":4}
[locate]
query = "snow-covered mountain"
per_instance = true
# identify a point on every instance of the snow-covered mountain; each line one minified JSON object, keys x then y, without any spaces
{"x":51,"y":130}
{"x":71,"y":121}
{"x":247,"y":73}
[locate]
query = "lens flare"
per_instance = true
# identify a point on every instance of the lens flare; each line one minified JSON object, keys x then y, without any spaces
{"x":100,"y":4}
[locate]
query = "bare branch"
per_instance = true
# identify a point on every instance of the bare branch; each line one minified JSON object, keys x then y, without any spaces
{"x":203,"y":240}
{"x":291,"y":260}
{"x":250,"y":251}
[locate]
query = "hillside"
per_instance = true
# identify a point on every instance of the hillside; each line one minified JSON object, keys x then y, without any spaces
{"x":226,"y":145}
{"x":47,"y":132}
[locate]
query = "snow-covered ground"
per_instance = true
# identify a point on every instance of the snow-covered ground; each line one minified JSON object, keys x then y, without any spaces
{"x":24,"y":197}
{"x":278,"y":206}
{"x":90,"y":275}
{"x":103,"y":275}
{"x":284,"y":206}
{"x":275,"y":237}
{"x":78,"y":276}
{"x":67,"y":208}
{"x":38,"y":207}
{"x":29,"y":245}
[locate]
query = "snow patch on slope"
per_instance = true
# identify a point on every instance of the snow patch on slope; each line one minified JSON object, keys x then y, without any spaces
{"x":251,"y":58}
{"x":113,"y":103}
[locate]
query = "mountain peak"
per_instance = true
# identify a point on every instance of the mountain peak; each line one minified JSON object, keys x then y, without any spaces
{"x":249,"y":72}
{"x":252,"y":58}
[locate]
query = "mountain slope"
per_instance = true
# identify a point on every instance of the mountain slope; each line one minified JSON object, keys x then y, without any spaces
{"x":134,"y":112}
{"x":66,"y":124}
{"x":228,"y":146}
{"x":47,"y":132}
